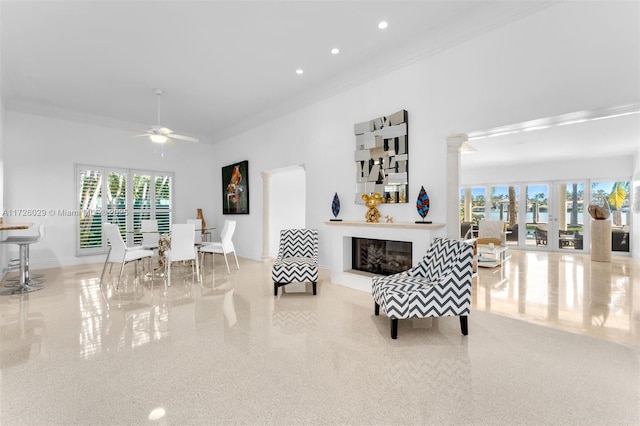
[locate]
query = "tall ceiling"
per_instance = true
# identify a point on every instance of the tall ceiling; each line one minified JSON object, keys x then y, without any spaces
{"x":224,"y":65}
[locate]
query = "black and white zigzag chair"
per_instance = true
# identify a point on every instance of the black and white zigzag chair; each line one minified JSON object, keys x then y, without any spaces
{"x":440,"y":285}
{"x":297,"y":259}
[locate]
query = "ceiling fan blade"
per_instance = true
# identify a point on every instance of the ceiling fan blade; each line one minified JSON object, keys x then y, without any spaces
{"x":160,"y":134}
{"x":184,"y":138}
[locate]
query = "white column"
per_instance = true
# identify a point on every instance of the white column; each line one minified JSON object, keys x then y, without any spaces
{"x":266,"y":216}
{"x":454,"y":142}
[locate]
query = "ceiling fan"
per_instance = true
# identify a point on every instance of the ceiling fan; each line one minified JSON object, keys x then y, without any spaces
{"x":160,"y":134}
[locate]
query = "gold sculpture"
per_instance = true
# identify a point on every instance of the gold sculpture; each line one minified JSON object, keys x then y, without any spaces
{"x":372,"y":201}
{"x":389,"y":219}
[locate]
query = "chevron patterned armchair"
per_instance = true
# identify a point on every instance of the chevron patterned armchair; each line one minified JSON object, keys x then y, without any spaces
{"x":297,"y":259}
{"x":440,"y":285}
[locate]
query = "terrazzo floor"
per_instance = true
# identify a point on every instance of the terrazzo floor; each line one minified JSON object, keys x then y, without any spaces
{"x":553,"y":339}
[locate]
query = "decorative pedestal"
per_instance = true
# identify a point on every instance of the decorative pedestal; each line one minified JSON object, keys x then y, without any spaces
{"x":601,"y":240}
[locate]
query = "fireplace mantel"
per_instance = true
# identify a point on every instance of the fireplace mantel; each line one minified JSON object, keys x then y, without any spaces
{"x":396,"y":225}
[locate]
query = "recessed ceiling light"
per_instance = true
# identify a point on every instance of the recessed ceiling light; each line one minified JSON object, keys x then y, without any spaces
{"x":299,"y":71}
{"x":335,"y":51}
{"x":382,"y":25}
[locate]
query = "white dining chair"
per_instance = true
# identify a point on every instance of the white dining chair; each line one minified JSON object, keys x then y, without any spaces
{"x":150,"y":234}
{"x":197,"y":223}
{"x":224,"y":246}
{"x":182,"y":248}
{"x":120,"y":253}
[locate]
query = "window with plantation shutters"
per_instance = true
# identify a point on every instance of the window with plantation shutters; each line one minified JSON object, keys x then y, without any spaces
{"x":89,"y":203}
{"x":122,"y":197}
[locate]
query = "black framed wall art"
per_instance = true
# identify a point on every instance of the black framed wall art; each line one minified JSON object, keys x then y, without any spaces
{"x":235,"y":188}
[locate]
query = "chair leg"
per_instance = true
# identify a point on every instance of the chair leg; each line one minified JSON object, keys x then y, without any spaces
{"x":236,"y":257}
{"x":464,"y":326}
{"x":120,"y":276}
{"x":104,"y":268}
{"x":394,"y":328}
{"x":314,"y":288}
{"x":275,"y":288}
{"x":226,"y":263}
{"x":197,"y":268}
{"x":376,"y":308}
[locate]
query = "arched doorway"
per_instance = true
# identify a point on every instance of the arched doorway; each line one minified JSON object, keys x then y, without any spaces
{"x":284,"y":201}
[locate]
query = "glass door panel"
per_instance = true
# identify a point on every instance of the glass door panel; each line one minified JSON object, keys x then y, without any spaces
{"x":512,"y":229}
{"x":570,"y":216}
{"x":537,"y":216}
{"x":617,"y":194}
{"x":472,"y":210}
{"x":499,"y":203}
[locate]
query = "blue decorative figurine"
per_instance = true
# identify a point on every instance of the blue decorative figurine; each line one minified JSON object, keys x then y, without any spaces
{"x":335,"y":208}
{"x":422,"y":205}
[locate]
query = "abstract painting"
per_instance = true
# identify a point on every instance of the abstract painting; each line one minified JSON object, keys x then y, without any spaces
{"x":235,"y":188}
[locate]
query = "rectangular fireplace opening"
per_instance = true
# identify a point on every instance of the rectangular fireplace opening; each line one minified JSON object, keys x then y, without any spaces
{"x":382,"y":257}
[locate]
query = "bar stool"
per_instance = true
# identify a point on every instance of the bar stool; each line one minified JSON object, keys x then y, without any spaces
{"x":25,"y":282}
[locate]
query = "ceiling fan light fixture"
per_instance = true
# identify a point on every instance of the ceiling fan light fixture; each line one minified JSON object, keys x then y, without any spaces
{"x":160,"y":134}
{"x":158,"y":138}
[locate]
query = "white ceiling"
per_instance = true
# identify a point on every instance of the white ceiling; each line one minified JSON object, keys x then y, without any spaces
{"x":612,"y":137}
{"x":225,"y":65}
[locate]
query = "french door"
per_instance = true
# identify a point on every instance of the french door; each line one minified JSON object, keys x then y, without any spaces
{"x":550,"y":215}
{"x":554,"y":215}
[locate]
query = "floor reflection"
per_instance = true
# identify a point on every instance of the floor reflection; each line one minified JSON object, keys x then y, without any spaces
{"x":21,"y":333}
{"x":143,"y":310}
{"x":566,"y":291}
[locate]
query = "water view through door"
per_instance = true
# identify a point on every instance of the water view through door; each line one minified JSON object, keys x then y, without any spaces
{"x":555,"y":217}
{"x":550,"y":216}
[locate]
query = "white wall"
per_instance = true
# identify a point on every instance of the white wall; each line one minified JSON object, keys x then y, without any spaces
{"x":3,"y":261}
{"x":546,"y":64}
{"x":635,"y":189}
{"x":287,"y":204}
{"x":40,"y":154}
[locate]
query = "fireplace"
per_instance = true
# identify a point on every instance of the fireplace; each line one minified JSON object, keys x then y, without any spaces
{"x":382,"y":257}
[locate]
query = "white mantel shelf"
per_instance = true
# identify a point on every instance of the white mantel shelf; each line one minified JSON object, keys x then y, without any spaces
{"x":397,"y":225}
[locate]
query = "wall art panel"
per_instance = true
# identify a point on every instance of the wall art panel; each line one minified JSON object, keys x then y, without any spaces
{"x":382,"y":157}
